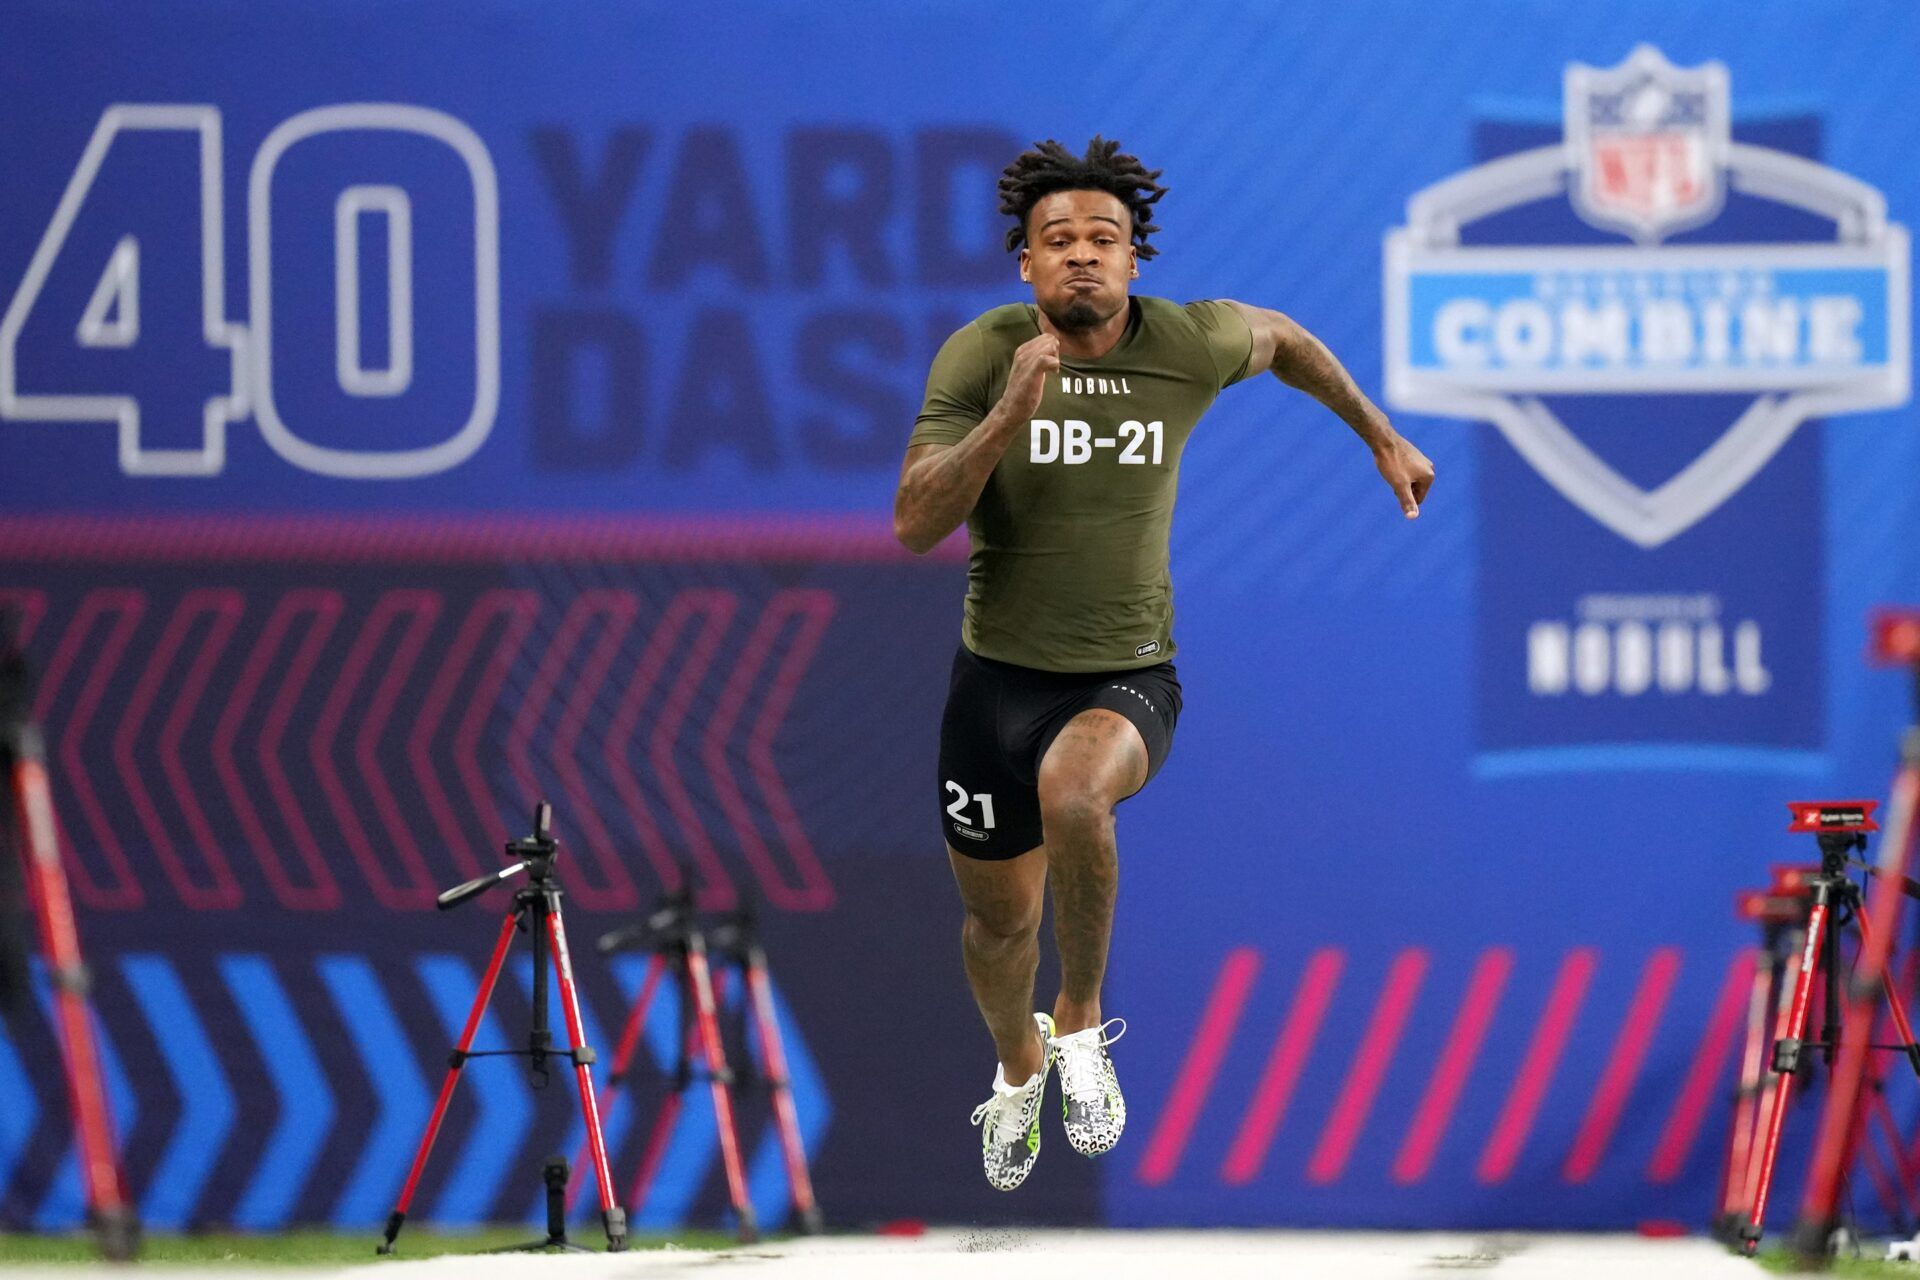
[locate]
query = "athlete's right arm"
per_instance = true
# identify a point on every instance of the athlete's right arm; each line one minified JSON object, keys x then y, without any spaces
{"x":939,"y":483}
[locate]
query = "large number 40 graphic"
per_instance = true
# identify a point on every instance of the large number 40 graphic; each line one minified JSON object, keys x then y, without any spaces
{"x":111,"y":317}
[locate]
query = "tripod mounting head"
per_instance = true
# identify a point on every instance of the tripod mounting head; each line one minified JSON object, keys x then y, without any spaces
{"x":534,"y":854}
{"x":668,"y":923}
{"x":1833,"y":817}
{"x":737,"y":933}
{"x":1841,"y":826}
{"x":539,"y":848}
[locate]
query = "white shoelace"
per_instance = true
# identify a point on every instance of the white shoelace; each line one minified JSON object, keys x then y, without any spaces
{"x":1008,"y":1126}
{"x":1082,"y":1070}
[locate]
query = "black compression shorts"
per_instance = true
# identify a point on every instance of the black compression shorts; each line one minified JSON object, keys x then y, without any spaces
{"x":999,"y":722}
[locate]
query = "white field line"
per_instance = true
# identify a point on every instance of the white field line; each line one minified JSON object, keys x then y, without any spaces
{"x":993,"y":1254}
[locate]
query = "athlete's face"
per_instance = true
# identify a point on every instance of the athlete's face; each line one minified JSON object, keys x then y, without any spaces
{"x":1079,"y":257}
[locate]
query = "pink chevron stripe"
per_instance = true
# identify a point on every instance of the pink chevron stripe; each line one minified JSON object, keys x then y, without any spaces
{"x":816,"y":610}
{"x":326,"y":732}
{"x":363,"y":538}
{"x":125,"y":894}
{"x":616,"y":890}
{"x":1195,"y":1079}
{"x":225,"y":607}
{"x":1704,"y":1079}
{"x":159,"y":662}
{"x":716,"y":889}
{"x":227,"y":728}
{"x":1455,"y":1065}
{"x":422,"y":610}
{"x":1536,"y":1069}
{"x":1369,"y":1068}
{"x":808,"y":896}
{"x":518,"y":609}
{"x":533,"y":708}
{"x":31,"y":605}
{"x":624,"y":726}
{"x":1623,"y":1066}
{"x":555,"y":662}
{"x":1284,"y":1062}
{"x":455,"y":838}
{"x":321,"y":892}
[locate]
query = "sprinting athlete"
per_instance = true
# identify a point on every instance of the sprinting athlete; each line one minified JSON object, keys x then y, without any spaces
{"x":1054,"y":430}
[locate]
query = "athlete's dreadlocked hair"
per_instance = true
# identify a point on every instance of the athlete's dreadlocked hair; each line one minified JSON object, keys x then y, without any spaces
{"x":1050,"y":167}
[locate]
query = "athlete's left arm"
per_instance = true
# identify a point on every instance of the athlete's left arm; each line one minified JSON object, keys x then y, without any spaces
{"x":1301,"y":360}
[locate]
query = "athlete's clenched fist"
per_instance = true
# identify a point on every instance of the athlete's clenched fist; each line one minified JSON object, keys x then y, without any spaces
{"x":1033,"y":360}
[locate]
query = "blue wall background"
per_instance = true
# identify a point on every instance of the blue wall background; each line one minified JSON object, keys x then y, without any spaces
{"x":727,"y":248}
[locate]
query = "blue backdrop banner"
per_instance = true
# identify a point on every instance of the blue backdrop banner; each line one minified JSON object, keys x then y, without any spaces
{"x":407,"y":412}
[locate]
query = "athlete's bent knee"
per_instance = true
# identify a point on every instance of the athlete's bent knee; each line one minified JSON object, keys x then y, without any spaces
{"x":996,"y":933}
{"x":1072,"y":811}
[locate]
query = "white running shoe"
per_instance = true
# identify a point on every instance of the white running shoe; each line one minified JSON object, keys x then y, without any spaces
{"x":1010,"y":1119}
{"x":1095,"y":1112}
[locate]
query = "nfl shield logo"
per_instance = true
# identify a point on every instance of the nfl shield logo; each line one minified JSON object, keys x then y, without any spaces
{"x":1647,"y":143}
{"x":1648,"y":378}
{"x":1804,"y":329}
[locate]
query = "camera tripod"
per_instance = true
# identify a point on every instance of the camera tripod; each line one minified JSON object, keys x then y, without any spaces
{"x":1894,"y":641}
{"x":1781,"y":912}
{"x":29,"y":823}
{"x":535,"y":911}
{"x":681,"y":948}
{"x":1847,"y":1034}
{"x":736,"y":940}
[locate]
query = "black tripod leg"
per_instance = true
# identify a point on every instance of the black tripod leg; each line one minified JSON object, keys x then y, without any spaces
{"x":1831,"y":961}
{"x":555,"y":1174}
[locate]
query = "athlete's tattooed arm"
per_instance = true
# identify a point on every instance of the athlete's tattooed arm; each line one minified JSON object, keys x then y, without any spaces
{"x":1301,"y":360}
{"x":940,"y":483}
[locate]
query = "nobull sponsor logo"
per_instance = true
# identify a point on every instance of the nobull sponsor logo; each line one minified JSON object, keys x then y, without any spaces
{"x":1646,"y":307}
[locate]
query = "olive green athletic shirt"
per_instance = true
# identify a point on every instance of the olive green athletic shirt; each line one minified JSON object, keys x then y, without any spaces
{"x":1069,"y":564}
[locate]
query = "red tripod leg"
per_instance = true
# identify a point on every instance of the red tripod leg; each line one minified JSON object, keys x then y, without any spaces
{"x":60,"y":941}
{"x":1873,"y":1104}
{"x":1733,"y":1204}
{"x":1877,"y":1099}
{"x":1834,"y":1147}
{"x":1770,"y":1084}
{"x":1787,"y":1052}
{"x":656,"y":1150}
{"x":1883,"y":1184}
{"x":1902,"y":1177}
{"x":700,"y":979}
{"x":456,"y":1061}
{"x":1895,"y":1005}
{"x":623,"y":1053}
{"x":774,"y":1052}
{"x":616,"y":1220}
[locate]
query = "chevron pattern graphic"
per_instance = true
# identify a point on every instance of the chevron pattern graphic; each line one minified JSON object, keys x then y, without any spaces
{"x":1276,"y":1017}
{"x":208,"y":1144}
{"x":330,"y":707}
{"x":296,"y":760}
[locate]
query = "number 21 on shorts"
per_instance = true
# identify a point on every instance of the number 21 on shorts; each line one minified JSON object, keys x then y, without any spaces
{"x":958,"y":809}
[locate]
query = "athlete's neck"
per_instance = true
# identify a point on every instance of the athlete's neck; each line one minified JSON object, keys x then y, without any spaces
{"x":1088,"y":344}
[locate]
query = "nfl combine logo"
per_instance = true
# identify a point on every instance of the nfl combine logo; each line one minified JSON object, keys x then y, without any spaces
{"x":1647,"y":307}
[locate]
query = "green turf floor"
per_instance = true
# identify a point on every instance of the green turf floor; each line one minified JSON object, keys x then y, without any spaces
{"x":315,"y":1248}
{"x":1780,"y":1262}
